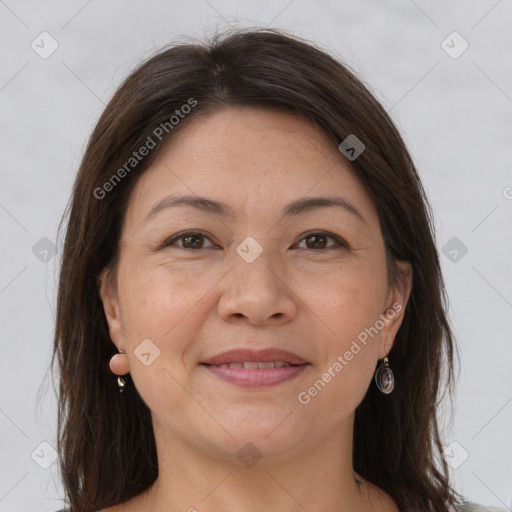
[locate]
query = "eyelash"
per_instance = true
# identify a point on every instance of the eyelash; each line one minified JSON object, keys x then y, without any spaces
{"x":342,"y":244}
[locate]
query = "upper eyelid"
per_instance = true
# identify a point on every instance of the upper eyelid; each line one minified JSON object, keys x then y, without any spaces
{"x":184,"y":234}
{"x":336,"y":238}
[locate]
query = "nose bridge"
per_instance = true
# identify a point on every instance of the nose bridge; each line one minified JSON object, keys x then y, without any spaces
{"x":255,"y":288}
{"x":256,"y":264}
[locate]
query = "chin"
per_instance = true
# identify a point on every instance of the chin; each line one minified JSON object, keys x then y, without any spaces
{"x":269,"y":438}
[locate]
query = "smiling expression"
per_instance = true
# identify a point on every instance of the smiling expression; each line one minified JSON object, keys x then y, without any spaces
{"x":249,"y":231}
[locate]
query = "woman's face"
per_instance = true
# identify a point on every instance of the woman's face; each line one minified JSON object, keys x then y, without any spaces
{"x":265,"y":270}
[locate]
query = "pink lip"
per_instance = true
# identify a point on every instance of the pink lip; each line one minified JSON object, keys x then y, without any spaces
{"x":256,"y":377}
{"x":253,"y":378}
{"x":266,"y":355}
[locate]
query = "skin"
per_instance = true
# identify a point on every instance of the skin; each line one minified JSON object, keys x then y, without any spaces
{"x":193,"y":303}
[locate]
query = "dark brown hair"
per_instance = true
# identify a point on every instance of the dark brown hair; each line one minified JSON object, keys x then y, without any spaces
{"x":105,"y":440}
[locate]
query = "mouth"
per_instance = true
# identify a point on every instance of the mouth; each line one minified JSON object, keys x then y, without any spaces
{"x":254,"y":365}
{"x":245,"y":356}
{"x":253,"y":369}
{"x":256,"y":377}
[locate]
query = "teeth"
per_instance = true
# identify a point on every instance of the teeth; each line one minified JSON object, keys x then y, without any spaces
{"x":254,"y":365}
{"x":269,"y":364}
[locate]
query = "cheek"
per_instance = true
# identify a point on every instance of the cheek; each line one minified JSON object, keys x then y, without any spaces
{"x":160,"y":306}
{"x":347,"y":300}
{"x":156,"y":298}
{"x":348,"y":305}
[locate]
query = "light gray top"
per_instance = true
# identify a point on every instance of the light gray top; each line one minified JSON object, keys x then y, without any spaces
{"x":474,"y":507}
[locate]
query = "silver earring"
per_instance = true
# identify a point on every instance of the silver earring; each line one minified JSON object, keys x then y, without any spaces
{"x":121,"y":381}
{"x":121,"y":384}
{"x":384,"y":377}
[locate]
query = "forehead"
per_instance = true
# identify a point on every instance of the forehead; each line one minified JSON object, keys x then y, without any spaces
{"x":251,"y":158}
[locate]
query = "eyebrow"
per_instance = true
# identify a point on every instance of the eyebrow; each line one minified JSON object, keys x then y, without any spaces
{"x":212,"y":206}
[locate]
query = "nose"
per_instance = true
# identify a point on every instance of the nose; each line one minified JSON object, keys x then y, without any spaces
{"x":257,"y":292}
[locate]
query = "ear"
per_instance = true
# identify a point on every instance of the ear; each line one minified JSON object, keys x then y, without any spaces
{"x":108,"y":294}
{"x":394,"y":310}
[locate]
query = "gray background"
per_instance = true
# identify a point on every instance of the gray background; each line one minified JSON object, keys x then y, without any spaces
{"x":455,"y":114}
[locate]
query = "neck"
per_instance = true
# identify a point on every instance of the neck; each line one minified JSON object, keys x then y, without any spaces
{"x":316,"y":477}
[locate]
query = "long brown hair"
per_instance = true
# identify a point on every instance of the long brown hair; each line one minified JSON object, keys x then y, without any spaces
{"x":106,"y":444}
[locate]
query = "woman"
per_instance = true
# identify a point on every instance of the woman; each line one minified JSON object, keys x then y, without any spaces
{"x":251,"y":314}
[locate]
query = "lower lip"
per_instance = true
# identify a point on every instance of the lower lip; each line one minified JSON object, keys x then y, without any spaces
{"x":255,"y":378}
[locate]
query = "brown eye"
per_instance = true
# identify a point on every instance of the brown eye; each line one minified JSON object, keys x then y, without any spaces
{"x":191,"y":240}
{"x":318,"y":240}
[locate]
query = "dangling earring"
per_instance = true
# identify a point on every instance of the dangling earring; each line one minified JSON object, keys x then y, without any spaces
{"x":384,"y":377}
{"x":121,"y":384}
{"x":116,"y":362}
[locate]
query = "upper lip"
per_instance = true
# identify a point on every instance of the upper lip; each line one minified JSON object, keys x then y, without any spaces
{"x":240,"y":355}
